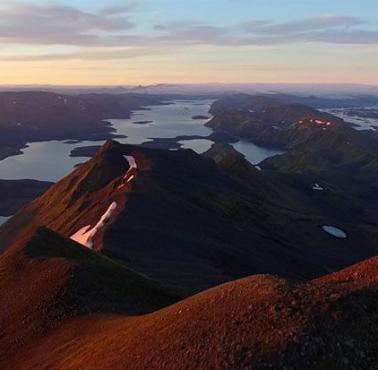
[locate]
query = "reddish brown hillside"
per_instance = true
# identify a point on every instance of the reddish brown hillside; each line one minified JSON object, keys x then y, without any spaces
{"x":47,"y":279}
{"x":259,"y":322}
{"x":79,"y":199}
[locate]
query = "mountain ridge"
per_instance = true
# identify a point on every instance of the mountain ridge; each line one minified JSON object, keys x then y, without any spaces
{"x":216,"y":216}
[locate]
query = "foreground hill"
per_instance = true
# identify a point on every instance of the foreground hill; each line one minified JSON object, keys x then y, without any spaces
{"x":66,"y":307}
{"x":47,"y":279}
{"x":193,"y":221}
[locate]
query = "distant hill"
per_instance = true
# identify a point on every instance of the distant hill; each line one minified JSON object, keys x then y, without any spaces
{"x":299,"y":89}
{"x":38,"y":116}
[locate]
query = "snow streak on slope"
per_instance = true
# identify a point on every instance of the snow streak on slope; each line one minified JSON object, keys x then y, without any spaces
{"x":334,"y":231}
{"x":132,"y":162}
{"x":131,"y":172}
{"x":86,"y":234}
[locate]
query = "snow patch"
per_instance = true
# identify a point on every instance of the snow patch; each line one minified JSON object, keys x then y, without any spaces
{"x":317,"y":187}
{"x":318,"y":122}
{"x":334,"y":231}
{"x":86,"y":234}
{"x":131,"y":172}
{"x":132,"y":161}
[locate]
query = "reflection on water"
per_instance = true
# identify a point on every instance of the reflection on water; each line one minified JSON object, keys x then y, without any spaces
{"x":50,"y":160}
{"x":167,"y":121}
{"x":253,"y":153}
{"x":361,"y":123}
{"x":198,"y":145}
{"x":3,"y":219}
{"x":47,"y":160}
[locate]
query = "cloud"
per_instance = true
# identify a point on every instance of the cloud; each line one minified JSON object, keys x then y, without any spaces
{"x":326,"y":28}
{"x":62,"y":25}
{"x":98,"y":33}
{"x":345,"y":37}
{"x":302,"y":25}
{"x":107,"y":54}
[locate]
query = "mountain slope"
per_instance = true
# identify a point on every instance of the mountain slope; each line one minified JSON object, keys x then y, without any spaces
{"x":47,"y":279}
{"x":193,"y":221}
{"x":317,"y":145}
{"x":259,"y":322}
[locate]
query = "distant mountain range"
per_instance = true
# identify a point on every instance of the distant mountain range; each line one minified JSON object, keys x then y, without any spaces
{"x":328,"y":90}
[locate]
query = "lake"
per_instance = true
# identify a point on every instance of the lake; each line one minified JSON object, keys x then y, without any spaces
{"x":3,"y":219}
{"x":360,"y":122}
{"x":254,"y":153}
{"x":166,"y":121}
{"x":50,"y":160}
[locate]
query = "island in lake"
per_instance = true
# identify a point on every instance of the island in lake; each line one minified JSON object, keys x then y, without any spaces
{"x":199,"y":117}
{"x":142,"y":122}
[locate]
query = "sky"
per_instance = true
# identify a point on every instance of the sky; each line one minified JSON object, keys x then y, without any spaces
{"x":132,"y":42}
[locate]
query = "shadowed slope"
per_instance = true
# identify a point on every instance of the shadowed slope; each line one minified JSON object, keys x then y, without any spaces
{"x":194,"y":221}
